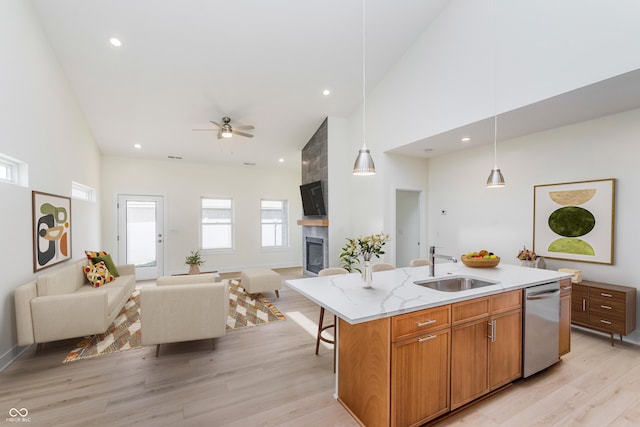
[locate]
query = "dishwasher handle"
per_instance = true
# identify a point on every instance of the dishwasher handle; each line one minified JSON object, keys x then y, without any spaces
{"x":542,"y":294}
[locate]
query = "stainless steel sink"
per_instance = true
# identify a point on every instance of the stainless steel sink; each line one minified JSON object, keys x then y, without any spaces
{"x":455,"y":284}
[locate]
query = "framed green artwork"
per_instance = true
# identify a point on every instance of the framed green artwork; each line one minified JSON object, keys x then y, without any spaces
{"x":574,"y":220}
{"x":51,"y":229}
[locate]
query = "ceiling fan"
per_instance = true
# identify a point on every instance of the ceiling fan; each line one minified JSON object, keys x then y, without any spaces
{"x":227,"y":131}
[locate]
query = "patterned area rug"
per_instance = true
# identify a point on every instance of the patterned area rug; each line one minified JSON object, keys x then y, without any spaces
{"x":124,"y":333}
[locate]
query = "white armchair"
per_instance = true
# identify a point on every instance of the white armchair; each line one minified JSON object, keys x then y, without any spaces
{"x":183,"y":308}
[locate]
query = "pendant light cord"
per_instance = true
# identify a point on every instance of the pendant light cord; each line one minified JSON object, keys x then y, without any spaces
{"x":364,"y":78}
{"x":495,"y":85}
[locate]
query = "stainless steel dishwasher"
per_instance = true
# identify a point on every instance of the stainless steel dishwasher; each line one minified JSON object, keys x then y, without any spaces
{"x":541,"y":327}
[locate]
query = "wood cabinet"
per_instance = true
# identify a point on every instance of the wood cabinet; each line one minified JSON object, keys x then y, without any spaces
{"x":409,"y":369}
{"x":420,"y":378}
{"x":564,"y":344}
{"x":486,"y":345}
{"x":420,"y":362}
{"x":604,"y":307}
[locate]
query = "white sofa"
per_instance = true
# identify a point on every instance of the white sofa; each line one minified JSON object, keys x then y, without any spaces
{"x":62,"y":304}
{"x":183,"y":308}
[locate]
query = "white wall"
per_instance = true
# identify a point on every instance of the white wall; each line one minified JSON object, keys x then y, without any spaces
{"x":501,"y":220}
{"x":545,"y":48}
{"x":183,"y":184}
{"x":41,"y":125}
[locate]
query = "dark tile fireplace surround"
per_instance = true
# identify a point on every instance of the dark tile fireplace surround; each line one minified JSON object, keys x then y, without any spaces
{"x":315,"y":239}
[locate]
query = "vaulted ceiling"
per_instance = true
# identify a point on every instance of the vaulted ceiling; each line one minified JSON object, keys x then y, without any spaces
{"x":261,"y":63}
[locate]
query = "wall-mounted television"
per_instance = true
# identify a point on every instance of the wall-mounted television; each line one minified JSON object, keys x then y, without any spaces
{"x":312,"y":199}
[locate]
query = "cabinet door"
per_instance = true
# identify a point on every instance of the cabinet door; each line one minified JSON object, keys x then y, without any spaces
{"x":564,"y":346}
{"x":505,"y":348}
{"x":420,"y":378}
{"x":469,"y":362}
{"x":580,"y":304}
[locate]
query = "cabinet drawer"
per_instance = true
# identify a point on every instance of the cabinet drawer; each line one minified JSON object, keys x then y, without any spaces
{"x":607,"y":304}
{"x":413,"y":324}
{"x":565,"y":287}
{"x":466,"y":311}
{"x":607,"y":294}
{"x":607,"y":323}
{"x":506,"y":301}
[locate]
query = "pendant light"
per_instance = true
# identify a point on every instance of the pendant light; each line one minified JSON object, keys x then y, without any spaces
{"x":364,"y":162}
{"x":495,"y":180}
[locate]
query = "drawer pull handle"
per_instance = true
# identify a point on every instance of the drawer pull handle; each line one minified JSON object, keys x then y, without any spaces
{"x":428,"y":322}
{"x":605,"y":306}
{"x":606,"y":295}
{"x":430,"y":337}
{"x":584,"y":304}
{"x":605,"y":322}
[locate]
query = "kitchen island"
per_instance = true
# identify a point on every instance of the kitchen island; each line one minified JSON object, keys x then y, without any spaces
{"x":408,"y":354}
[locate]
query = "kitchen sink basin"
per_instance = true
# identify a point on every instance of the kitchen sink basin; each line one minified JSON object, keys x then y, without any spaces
{"x":455,"y":284}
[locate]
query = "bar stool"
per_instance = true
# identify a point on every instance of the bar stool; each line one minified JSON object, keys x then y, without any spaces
{"x":328,"y":272}
{"x":382,"y":266}
{"x":419,"y":262}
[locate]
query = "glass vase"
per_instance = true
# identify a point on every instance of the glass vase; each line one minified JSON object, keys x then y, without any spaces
{"x":367,"y":277}
{"x":531,"y":264}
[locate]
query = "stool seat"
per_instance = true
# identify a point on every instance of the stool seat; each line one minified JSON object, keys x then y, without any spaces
{"x":255,"y":280}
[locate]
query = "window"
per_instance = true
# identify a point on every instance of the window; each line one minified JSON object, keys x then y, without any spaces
{"x":273,"y":219}
{"x":217,"y":224}
{"x":13,"y":171}
{"x":83,"y":192}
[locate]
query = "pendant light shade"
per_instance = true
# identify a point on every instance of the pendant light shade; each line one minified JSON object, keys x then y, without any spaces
{"x":495,"y":179}
{"x":364,"y":162}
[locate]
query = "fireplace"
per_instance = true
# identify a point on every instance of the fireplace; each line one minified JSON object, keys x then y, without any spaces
{"x":314,"y":254}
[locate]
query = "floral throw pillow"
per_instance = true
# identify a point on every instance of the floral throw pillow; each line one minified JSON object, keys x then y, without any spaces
{"x":98,"y":274}
{"x":97,"y":256}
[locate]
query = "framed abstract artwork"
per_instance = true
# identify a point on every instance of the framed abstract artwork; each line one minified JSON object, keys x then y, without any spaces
{"x":51,"y":229}
{"x":574,"y":220}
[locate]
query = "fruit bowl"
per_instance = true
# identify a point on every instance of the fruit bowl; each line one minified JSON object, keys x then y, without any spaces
{"x":480,"y":262}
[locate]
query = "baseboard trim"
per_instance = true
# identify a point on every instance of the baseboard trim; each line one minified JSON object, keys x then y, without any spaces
{"x":11,"y":355}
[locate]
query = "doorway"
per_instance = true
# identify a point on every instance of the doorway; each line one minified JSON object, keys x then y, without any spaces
{"x":407,"y":226}
{"x":141,"y":234}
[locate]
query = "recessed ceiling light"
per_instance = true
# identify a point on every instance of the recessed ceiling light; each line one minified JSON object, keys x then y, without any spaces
{"x":326,"y":92}
{"x":137,"y":146}
{"x":465,"y":139}
{"x":115,"y":41}
{"x":281,"y":160}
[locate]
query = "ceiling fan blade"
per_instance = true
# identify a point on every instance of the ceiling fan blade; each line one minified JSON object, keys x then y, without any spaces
{"x":247,"y":127}
{"x":205,"y":129}
{"x":216,"y":123}
{"x":248,"y":135}
{"x":219,"y":135}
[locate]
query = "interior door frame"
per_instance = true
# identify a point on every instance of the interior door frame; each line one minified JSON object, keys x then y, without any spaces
{"x":421,"y":220}
{"x":121,"y":256}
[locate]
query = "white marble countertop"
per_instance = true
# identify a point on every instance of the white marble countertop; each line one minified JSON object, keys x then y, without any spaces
{"x":393,"y":292}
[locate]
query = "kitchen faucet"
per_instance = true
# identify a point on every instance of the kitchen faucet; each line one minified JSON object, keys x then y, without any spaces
{"x":432,"y":257}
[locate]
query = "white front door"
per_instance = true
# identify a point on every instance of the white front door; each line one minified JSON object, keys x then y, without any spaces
{"x":141,"y":234}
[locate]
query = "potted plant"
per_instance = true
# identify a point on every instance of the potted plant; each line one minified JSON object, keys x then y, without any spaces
{"x":194,"y":261}
{"x":527,"y":258}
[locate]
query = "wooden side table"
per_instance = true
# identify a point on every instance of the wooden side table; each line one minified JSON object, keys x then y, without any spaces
{"x":604,"y":307}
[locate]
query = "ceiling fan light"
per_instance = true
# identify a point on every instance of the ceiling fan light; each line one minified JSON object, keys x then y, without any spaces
{"x":363,"y":165}
{"x":226,"y":133}
{"x":495,"y":180}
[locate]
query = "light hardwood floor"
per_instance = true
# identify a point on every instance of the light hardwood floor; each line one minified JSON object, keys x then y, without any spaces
{"x":270,"y":376}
